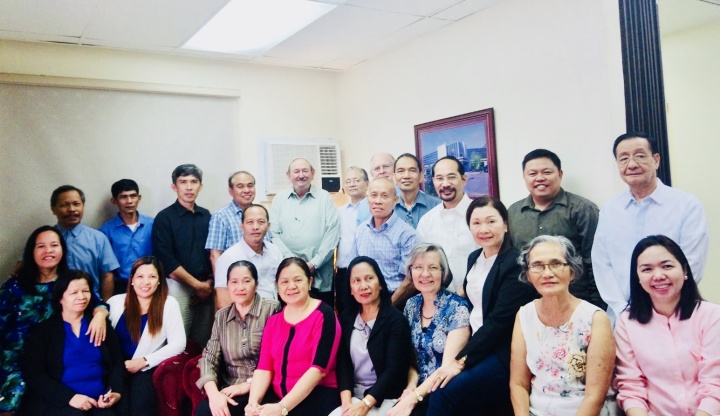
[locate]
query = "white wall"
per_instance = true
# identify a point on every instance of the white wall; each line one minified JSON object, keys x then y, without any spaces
{"x":692,"y":92}
{"x":274,"y":102}
{"x":551,"y":69}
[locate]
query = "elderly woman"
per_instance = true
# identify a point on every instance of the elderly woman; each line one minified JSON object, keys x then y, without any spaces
{"x":373,"y":361}
{"x":149,"y":326}
{"x":25,"y":302}
{"x":439,"y":326}
{"x":296,"y":370}
{"x":668,"y":342}
{"x":476,"y":382}
{"x":66,"y":374}
{"x":231,"y":355}
{"x":563,"y":353}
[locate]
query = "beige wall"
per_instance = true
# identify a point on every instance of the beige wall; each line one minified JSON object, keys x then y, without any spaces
{"x":692,"y":92}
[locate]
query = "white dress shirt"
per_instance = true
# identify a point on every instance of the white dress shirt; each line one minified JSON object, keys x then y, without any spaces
{"x":266,"y":264}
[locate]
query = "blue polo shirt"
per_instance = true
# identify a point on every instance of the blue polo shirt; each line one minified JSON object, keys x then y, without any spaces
{"x":127,"y":245}
{"x":90,"y":251}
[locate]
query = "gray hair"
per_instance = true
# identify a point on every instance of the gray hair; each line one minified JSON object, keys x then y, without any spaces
{"x":573,"y":259}
{"x":362,"y":172}
{"x":187,"y":169}
{"x":423,"y":248}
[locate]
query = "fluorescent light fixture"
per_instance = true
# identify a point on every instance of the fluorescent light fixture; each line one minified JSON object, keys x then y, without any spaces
{"x":252,"y":27}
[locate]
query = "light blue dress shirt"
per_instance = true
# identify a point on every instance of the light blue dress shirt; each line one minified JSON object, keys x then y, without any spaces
{"x":90,"y":251}
{"x":127,"y":245}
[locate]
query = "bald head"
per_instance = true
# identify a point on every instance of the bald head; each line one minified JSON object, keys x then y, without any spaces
{"x":381,"y":166}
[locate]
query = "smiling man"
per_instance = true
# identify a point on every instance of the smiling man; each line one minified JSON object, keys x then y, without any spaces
{"x":88,"y":249}
{"x":412,"y":203}
{"x":129,"y":232}
{"x":305,"y":225}
{"x":550,"y":210}
{"x":648,"y":207}
{"x":385,"y":237}
{"x":253,"y":247}
{"x":179,"y":236}
{"x":225,"y":224}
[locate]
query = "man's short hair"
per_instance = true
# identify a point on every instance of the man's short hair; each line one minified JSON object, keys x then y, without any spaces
{"x":411,"y":156}
{"x":187,"y":169}
{"x":123,"y":185}
{"x":635,"y":135}
{"x":461,"y":168}
{"x":539,"y":154}
{"x":362,"y":171}
{"x":230,"y":184}
{"x":312,"y":169}
{"x":242,"y":214}
{"x":61,"y":190}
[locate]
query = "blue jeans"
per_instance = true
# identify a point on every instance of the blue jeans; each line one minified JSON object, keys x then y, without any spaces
{"x":479,"y":390}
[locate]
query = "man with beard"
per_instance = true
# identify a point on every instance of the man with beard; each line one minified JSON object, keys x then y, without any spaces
{"x":445,"y":224}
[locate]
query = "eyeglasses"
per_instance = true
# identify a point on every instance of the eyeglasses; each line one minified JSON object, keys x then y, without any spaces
{"x":639,"y":158}
{"x":353,"y":181}
{"x":430,"y":269}
{"x":449,"y":178}
{"x":540,"y":267}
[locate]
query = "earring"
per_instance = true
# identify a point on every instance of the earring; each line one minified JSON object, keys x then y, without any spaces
{"x":685,"y":277}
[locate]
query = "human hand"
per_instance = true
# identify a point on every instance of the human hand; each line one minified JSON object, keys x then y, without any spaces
{"x":97,"y":329}
{"x":311,"y":267}
{"x":108,"y":400}
{"x":271,"y":409}
{"x":218,"y":404}
{"x":83,"y":402}
{"x":135,"y":365}
{"x":252,"y":409}
{"x":444,"y":374}
{"x":356,"y":409}
{"x":203,"y":290}
{"x":236,"y":390}
{"x":404,"y":406}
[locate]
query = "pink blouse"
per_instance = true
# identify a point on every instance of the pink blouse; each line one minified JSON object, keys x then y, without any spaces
{"x":288,"y":351}
{"x":669,"y":366}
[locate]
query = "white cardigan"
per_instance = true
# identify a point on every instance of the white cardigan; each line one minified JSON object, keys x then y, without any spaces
{"x":170,"y":341}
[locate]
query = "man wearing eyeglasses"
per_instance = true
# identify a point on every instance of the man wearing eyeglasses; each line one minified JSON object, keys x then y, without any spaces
{"x":550,"y":210}
{"x":445,"y":224}
{"x":649,"y":207}
{"x":356,"y":184}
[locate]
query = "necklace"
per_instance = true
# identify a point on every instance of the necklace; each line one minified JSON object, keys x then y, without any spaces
{"x":425,"y":317}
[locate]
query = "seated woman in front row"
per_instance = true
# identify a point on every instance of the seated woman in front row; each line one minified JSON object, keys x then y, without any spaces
{"x":563,"y":353}
{"x":374,"y":357}
{"x":66,"y":374}
{"x":296,"y":371}
{"x":149,"y":326}
{"x":231,"y":354}
{"x":668,"y":342}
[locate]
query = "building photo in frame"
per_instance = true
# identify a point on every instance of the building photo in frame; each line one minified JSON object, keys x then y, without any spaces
{"x":468,"y":137}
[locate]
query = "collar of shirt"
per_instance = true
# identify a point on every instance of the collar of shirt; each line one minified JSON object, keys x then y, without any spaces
{"x":254,"y":310}
{"x":350,"y":205}
{"x":181,"y":210}
{"x":308,"y":193}
{"x":660,"y":195}
{"x":420,"y":199}
{"x":72,"y":231}
{"x":560,"y":199}
{"x":118,"y":222}
{"x":389,"y":223}
{"x":441,"y":299}
{"x":249,"y":252}
{"x":236,"y":207}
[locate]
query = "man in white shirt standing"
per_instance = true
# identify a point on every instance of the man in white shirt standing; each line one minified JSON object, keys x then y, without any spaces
{"x":356,"y":184}
{"x":446,"y":224}
{"x":253,"y":247}
{"x":648,"y":207}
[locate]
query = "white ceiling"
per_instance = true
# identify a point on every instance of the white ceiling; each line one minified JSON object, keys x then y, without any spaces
{"x":353,"y":32}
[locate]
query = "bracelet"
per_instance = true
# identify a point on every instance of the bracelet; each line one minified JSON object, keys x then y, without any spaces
{"x":419,"y":396}
{"x":367,"y":403}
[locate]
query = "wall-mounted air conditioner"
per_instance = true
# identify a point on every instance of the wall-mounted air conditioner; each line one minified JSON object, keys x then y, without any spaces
{"x":323,"y":155}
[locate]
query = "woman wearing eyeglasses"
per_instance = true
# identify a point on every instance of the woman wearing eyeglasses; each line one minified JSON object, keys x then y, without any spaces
{"x":563,"y":351}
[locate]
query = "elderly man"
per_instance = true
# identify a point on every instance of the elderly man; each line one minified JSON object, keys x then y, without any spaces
{"x":305,"y":225}
{"x":225,"y":230}
{"x":412,"y":202}
{"x":179,"y":236}
{"x":88,"y":249}
{"x":649,"y":207}
{"x":381,"y":166}
{"x":356,"y":184}
{"x":551,"y":210}
{"x":445,"y":224}
{"x":385,"y":237}
{"x":265,"y":256}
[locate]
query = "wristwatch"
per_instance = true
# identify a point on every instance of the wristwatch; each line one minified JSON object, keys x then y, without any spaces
{"x":367,"y":403}
{"x":284,"y":411}
{"x":419,"y":396}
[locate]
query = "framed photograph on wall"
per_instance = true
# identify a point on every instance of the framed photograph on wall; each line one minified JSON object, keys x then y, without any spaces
{"x":468,"y":137}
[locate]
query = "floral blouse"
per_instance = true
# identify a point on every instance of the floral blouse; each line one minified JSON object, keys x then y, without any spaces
{"x":557,"y":357}
{"x":19,"y":313}
{"x":453,"y":312}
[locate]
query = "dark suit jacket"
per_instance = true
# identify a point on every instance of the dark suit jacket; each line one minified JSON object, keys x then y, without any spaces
{"x":503,"y":295}
{"x":389,"y":347}
{"x":44,"y":368}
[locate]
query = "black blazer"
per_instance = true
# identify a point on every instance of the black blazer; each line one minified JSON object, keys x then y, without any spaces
{"x":503,"y":295}
{"x":43,"y":368}
{"x":389,"y":347}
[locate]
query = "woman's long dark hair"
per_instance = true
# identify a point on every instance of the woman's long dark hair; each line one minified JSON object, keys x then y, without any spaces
{"x":353,"y":307}
{"x":133,"y":315}
{"x":28,"y":273}
{"x":641,"y":307}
